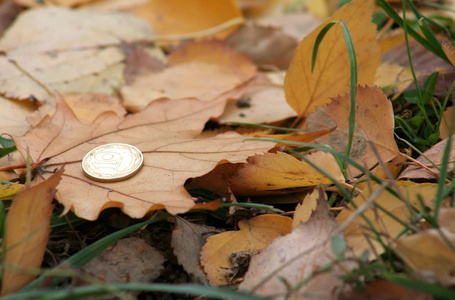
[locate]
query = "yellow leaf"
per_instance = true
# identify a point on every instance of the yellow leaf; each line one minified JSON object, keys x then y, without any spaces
{"x":276,"y":171}
{"x":305,"y":90}
{"x":9,"y":191}
{"x":27,"y":232}
{"x":182,"y":16}
{"x":305,"y":209}
{"x":393,"y":77}
{"x":359,"y":235}
{"x":429,"y":252}
{"x":254,"y":234}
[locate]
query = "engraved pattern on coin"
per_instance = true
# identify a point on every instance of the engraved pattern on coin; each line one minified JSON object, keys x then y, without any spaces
{"x":112,"y":162}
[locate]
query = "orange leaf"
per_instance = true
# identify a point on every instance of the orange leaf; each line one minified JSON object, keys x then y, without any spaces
{"x":27,"y":233}
{"x":182,"y":16}
{"x":305,"y":90}
{"x":166,"y":134}
{"x":254,"y":234}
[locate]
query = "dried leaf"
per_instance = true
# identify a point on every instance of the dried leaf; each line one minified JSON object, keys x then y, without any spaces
{"x":449,"y":50}
{"x":187,"y":241}
{"x":374,"y":122}
{"x":306,"y":208}
{"x":129,"y":260}
{"x":265,"y":45}
{"x":87,"y":107}
{"x":309,"y":247}
{"x":305,"y":90}
{"x":27,"y":233}
{"x":9,"y":191}
{"x":395,"y":78}
{"x":13,"y":116}
{"x":181,"y":16}
{"x":445,"y":124}
{"x":431,"y":251}
{"x":275,"y":171}
{"x":164,"y":132}
{"x":254,"y":234}
{"x":434,"y":155}
{"x":359,"y":234}
{"x":260,"y":104}
{"x":201,"y":69}
{"x":81,"y":54}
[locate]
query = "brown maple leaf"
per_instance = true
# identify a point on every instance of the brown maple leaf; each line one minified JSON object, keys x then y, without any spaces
{"x":164,"y":132}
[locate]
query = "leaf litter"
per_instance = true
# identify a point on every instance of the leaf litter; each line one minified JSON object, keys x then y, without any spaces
{"x":171,"y":100}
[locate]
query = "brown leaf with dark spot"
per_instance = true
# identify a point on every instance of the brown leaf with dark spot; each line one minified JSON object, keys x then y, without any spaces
{"x":187,"y":241}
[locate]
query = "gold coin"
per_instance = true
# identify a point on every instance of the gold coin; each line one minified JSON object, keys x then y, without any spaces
{"x":112,"y":162}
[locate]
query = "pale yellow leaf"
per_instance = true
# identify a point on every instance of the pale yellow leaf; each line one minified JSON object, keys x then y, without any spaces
{"x":254,"y":234}
{"x":305,"y":90}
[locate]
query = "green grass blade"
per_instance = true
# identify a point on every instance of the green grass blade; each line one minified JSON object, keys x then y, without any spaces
{"x":92,"y":290}
{"x":421,"y":40}
{"x":353,"y":72}
{"x":318,"y":41}
{"x":429,"y":288}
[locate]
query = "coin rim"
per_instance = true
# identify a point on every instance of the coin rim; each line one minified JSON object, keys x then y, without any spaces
{"x":116,"y":179}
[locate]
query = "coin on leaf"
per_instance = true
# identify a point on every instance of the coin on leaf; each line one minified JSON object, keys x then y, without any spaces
{"x":112,"y":162}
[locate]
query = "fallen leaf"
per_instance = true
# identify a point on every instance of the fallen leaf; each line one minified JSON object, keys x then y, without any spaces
{"x":187,"y":242}
{"x":254,"y":234}
{"x":66,"y":3}
{"x":13,"y":115}
{"x":8,"y":12}
{"x":200,"y":69}
{"x":359,"y":234}
{"x":164,"y":132}
{"x":449,"y":50}
{"x":261,"y":103}
{"x":141,"y":60}
{"x":427,"y":252}
{"x":306,"y":208}
{"x":393,"y":78}
{"x":431,"y":251}
{"x":429,"y":157}
{"x":81,"y":54}
{"x":298,"y":255}
{"x":264,"y":44}
{"x":27,"y":232}
{"x":424,"y":62}
{"x":9,"y":191}
{"x":374,"y":122}
{"x":173,"y":17}
{"x":445,"y":124}
{"x":87,"y":107}
{"x":276,"y":171}
{"x":297,"y":24}
{"x":383,"y":289}
{"x":128,"y":260}
{"x":306,"y":90}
